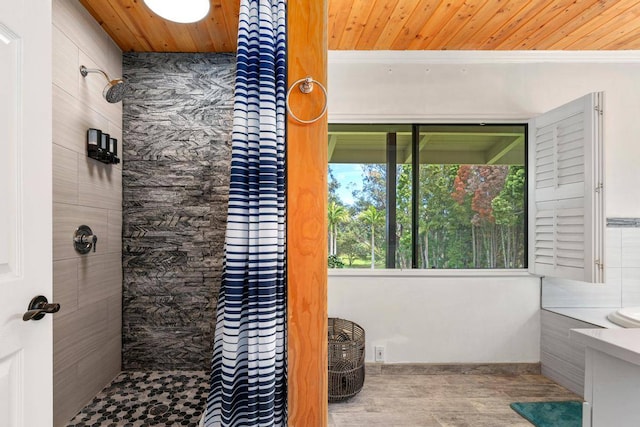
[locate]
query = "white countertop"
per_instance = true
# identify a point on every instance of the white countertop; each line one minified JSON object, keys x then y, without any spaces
{"x":621,"y":343}
{"x":596,"y":316}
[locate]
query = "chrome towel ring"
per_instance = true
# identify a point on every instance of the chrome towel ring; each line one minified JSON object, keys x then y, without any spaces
{"x":306,"y":86}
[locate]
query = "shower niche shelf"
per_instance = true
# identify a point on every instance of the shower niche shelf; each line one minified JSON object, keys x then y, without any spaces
{"x":101,"y":147}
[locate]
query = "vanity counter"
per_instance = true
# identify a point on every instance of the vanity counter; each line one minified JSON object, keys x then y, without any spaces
{"x":620,"y":343}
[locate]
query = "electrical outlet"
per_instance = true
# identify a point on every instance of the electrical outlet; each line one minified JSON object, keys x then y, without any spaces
{"x":379,"y":352}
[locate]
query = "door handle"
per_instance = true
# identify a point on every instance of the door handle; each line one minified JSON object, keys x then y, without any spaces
{"x":38,"y":307}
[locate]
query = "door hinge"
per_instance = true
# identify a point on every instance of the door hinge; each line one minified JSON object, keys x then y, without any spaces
{"x":599,"y":188}
{"x":600,"y":264}
{"x":599,"y":109}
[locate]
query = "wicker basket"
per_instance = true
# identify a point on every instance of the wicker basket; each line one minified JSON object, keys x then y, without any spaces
{"x":346,"y":359}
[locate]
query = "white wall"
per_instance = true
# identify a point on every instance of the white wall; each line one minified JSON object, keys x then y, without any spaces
{"x":492,"y":86}
{"x":436,"y":319}
{"x":475,"y":319}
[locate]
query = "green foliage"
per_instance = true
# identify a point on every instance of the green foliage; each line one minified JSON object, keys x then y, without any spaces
{"x":351,"y":243}
{"x":374,"y":188}
{"x":470,"y":216}
{"x":373,"y":218}
{"x":508,"y":206}
{"x":337,"y":214}
{"x":437,"y":215}
{"x":332,"y":186}
{"x":403,"y":216}
{"x":335,"y":262}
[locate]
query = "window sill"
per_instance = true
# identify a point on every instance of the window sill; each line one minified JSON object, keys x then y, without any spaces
{"x":363,"y":272}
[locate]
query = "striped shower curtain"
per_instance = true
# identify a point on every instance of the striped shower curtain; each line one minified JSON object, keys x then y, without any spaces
{"x":248,"y":378}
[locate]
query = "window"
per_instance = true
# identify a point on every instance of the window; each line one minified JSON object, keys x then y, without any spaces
{"x":427,"y":196}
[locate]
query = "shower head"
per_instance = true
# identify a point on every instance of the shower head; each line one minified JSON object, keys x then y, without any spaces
{"x":114,"y":90}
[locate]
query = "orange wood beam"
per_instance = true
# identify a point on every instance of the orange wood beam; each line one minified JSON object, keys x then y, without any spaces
{"x":307,"y":218}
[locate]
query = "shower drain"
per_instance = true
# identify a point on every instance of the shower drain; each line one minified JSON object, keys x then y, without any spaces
{"x":158,"y":409}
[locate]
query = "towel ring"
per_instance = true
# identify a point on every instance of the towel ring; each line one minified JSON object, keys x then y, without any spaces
{"x":306,"y":86}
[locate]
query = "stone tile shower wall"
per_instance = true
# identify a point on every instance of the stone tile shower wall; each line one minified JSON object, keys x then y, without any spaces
{"x":177,"y":130}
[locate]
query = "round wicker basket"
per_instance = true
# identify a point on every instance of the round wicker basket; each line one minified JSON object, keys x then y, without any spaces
{"x":346,"y":359}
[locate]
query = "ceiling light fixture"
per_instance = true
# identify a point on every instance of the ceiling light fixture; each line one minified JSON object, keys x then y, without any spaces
{"x":184,"y":11}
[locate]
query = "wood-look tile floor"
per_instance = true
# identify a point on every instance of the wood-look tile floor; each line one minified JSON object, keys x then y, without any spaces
{"x":444,"y":400}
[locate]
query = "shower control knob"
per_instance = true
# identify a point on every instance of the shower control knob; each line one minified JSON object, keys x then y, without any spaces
{"x":84,"y":240}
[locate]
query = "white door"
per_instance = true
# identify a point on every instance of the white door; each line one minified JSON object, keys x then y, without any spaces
{"x":26,"y":392}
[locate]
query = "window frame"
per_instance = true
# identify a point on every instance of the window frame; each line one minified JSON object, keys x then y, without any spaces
{"x":390,"y":217}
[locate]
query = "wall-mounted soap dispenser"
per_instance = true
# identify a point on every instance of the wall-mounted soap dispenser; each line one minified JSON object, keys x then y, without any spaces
{"x":102,"y":147}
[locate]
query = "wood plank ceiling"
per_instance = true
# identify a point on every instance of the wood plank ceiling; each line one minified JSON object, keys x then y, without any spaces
{"x":398,"y":25}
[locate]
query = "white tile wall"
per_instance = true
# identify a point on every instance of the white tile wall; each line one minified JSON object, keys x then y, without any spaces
{"x":571,"y":293}
{"x":630,"y":255}
{"x":630,"y":287}
{"x":630,"y":266}
{"x":630,"y":248}
{"x":614,"y":282}
{"x":622,"y":285}
{"x":613,"y":249}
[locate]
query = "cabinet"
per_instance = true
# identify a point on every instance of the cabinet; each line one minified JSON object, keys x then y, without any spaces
{"x":612,"y":376}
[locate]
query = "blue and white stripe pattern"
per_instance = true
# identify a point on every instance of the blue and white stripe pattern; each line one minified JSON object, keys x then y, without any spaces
{"x":249,"y":373}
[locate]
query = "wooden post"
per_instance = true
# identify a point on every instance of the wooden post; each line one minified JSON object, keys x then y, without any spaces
{"x":307,"y":217}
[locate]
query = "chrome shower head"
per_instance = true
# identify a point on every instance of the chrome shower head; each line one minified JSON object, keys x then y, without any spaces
{"x":114,"y":90}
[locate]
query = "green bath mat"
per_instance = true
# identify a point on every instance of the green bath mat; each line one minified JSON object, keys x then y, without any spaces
{"x":551,"y":414}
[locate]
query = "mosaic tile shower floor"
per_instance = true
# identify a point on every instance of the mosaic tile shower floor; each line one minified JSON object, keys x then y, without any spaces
{"x":145,"y":399}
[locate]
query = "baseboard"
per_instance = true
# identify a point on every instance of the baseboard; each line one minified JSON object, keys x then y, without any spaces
{"x":452,"y":368}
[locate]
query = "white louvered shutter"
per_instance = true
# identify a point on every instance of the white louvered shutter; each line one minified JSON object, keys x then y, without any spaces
{"x":566,"y":200}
